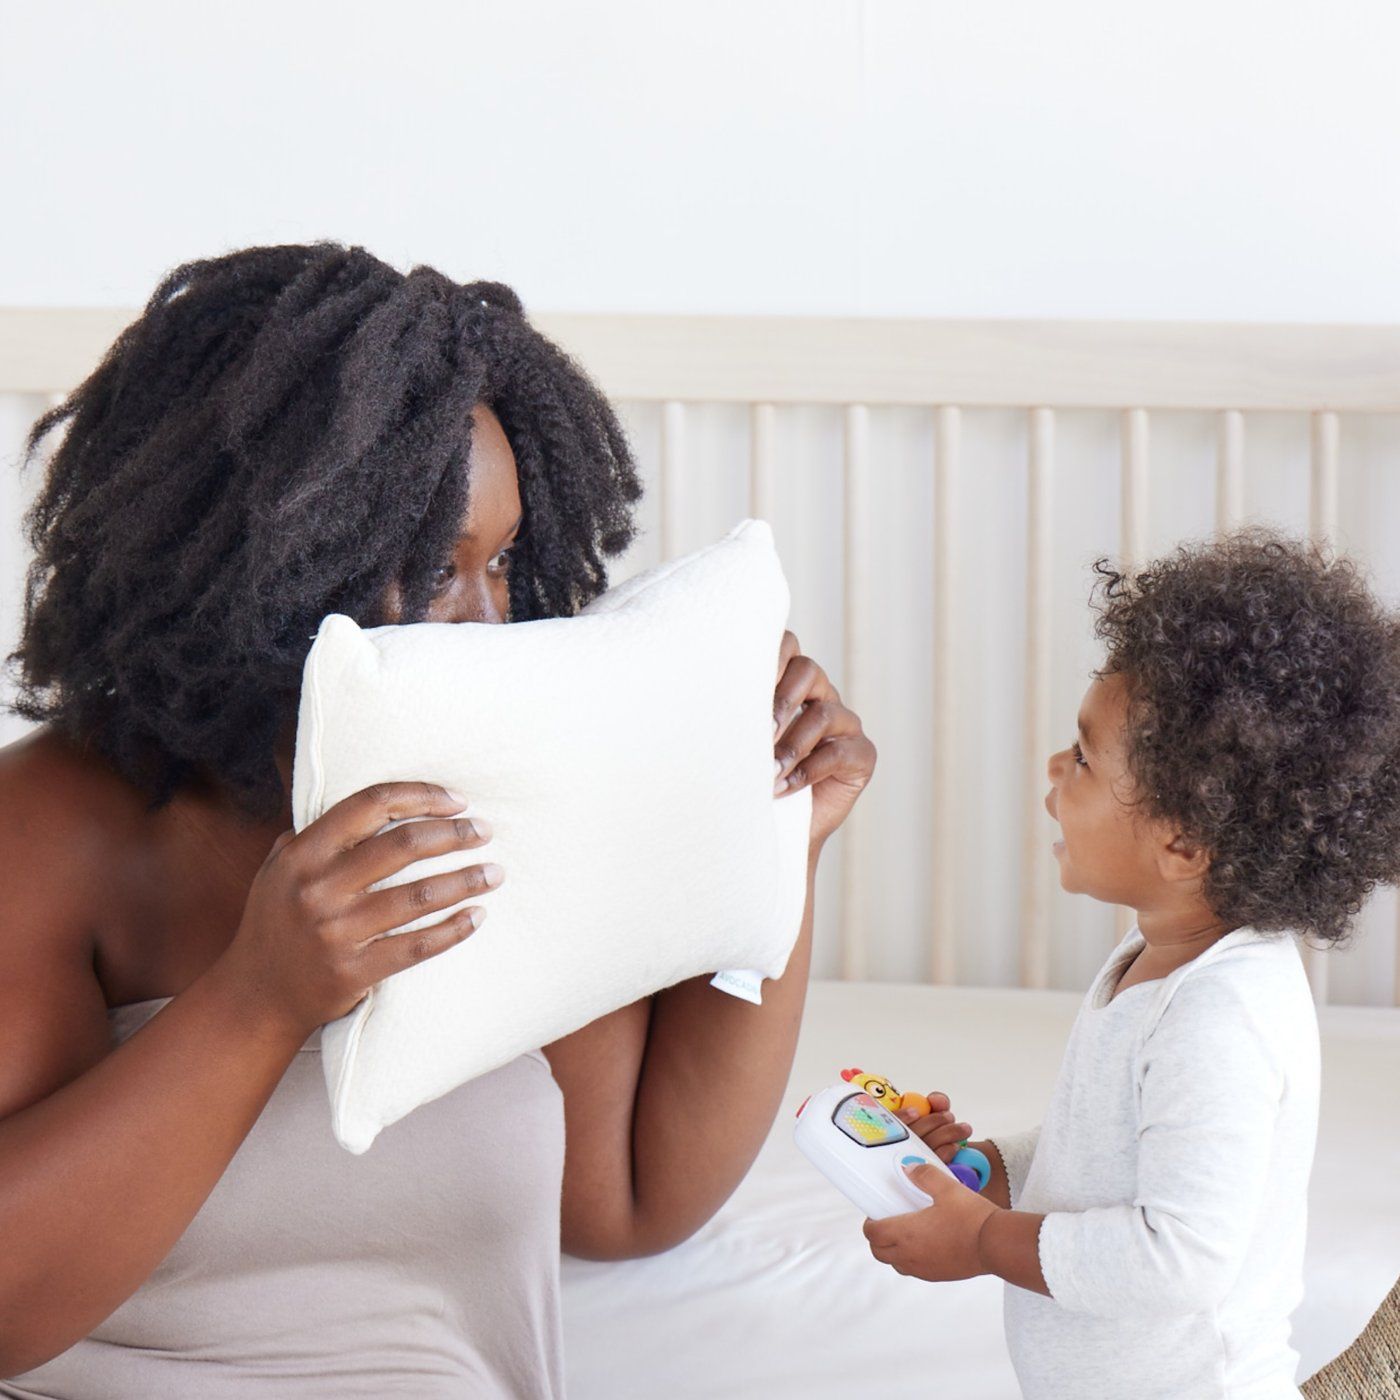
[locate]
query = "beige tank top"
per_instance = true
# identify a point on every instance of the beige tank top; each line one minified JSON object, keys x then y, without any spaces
{"x":428,"y":1266}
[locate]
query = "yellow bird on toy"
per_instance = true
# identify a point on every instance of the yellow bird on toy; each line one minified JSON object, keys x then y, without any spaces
{"x":883,"y":1092}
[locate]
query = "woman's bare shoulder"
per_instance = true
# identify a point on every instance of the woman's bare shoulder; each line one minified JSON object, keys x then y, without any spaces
{"x":69,"y":825}
{"x":57,"y":810}
{"x":61,"y":800}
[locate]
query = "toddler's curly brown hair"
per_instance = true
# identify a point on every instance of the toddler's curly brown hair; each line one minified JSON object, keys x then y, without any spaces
{"x":1263,"y":721}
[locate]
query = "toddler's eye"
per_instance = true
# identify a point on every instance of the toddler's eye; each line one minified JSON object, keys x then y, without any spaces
{"x":1078,"y":754}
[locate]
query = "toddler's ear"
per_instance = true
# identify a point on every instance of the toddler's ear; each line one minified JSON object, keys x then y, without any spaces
{"x":1180,"y":859}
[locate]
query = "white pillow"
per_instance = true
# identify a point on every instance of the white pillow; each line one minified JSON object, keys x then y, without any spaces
{"x":624,"y":759}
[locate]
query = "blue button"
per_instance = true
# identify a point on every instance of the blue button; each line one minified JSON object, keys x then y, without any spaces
{"x":912,"y":1161}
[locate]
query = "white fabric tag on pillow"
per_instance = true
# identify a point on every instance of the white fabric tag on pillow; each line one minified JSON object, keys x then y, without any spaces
{"x":624,"y":759}
{"x":746,"y":983}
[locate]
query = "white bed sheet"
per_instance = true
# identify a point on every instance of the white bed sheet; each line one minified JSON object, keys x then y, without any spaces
{"x":778,"y":1295}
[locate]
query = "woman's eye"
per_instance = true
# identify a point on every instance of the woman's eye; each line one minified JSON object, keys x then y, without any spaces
{"x":443,"y":575}
{"x":500,"y":563}
{"x":1078,"y":753}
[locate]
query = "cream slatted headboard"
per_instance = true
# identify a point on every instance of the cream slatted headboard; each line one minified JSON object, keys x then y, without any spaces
{"x":949,"y":370}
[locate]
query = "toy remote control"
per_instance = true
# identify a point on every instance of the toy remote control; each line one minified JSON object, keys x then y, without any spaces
{"x":862,"y":1148}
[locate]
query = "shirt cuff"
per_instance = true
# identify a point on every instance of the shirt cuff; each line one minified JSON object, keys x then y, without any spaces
{"x":1055,"y":1244}
{"x":1017,"y":1151}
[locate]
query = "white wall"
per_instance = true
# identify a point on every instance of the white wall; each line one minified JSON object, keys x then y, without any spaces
{"x":1211,"y":159}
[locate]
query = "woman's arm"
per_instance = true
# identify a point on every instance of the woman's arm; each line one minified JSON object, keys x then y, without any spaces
{"x":99,"y":1178}
{"x":668,"y":1101}
{"x":653,"y":1142}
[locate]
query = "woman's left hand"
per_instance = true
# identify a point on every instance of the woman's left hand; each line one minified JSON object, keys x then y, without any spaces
{"x":942,"y":1241}
{"x":818,"y":742}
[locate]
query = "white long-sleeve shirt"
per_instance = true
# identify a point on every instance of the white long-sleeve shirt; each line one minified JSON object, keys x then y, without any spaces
{"x":1172,"y":1168}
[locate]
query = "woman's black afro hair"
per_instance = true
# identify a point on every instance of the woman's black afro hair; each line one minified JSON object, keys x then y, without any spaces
{"x":282,"y":434}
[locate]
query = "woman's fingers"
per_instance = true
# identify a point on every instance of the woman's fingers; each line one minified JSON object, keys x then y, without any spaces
{"x":396,"y":905}
{"x":822,"y":719}
{"x":850,"y":756}
{"x":387,"y":954}
{"x":407,"y":840}
{"x":786,"y":651}
{"x":800,"y":682}
{"x":840,"y":759}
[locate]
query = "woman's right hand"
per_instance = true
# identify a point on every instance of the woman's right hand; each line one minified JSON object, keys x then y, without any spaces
{"x":312,"y":940}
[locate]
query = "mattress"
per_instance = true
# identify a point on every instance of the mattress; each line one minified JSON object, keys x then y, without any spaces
{"x":778,"y":1296}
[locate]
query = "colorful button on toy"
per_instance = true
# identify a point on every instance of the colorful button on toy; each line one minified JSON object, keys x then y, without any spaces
{"x":975,"y":1163}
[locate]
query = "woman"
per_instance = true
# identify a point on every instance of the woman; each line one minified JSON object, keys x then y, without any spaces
{"x":285,"y":432}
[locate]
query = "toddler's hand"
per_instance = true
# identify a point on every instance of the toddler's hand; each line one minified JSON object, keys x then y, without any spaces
{"x":940,"y":1242}
{"x":939,"y":1128}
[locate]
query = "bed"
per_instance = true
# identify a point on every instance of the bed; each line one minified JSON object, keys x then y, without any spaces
{"x":778,"y":1295}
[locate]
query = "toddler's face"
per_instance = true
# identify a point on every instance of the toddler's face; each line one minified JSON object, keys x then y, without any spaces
{"x":1107,"y":849}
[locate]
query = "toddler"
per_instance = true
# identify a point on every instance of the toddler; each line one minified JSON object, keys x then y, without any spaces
{"x":1235,"y":780}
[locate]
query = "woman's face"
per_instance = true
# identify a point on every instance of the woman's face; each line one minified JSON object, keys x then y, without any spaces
{"x":472,"y":587}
